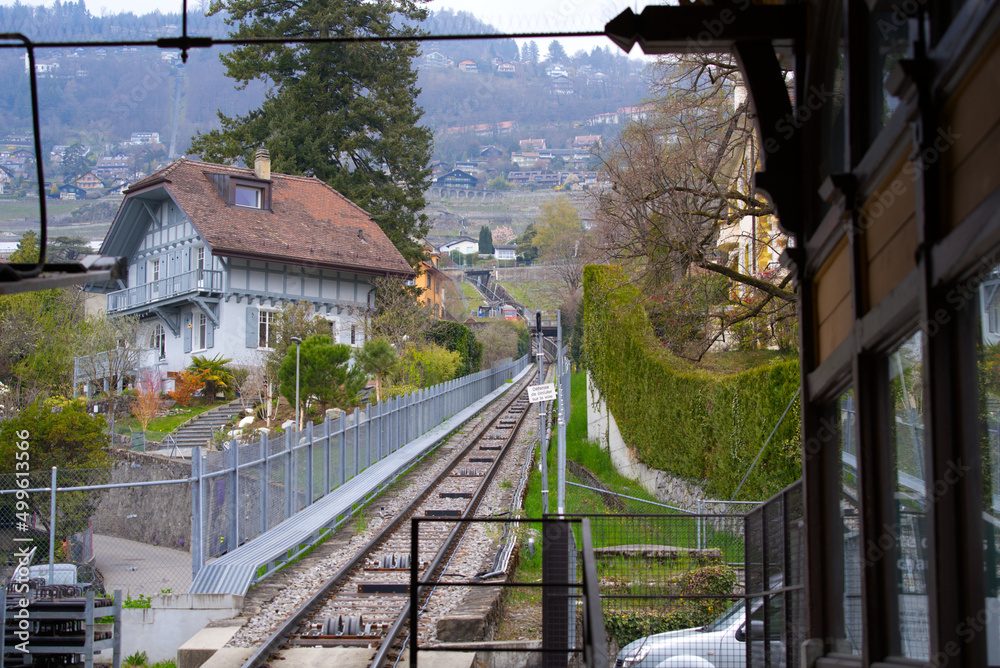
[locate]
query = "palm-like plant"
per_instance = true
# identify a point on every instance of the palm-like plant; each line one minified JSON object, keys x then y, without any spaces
{"x":216,"y":373}
{"x":376,"y":357}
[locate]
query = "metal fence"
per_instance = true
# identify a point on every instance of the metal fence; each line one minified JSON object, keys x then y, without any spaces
{"x":131,"y":527}
{"x":704,"y":587}
{"x":122,"y":528}
{"x":245,"y":490}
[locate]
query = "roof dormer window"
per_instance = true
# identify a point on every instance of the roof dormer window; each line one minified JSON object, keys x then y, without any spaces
{"x":248,"y":196}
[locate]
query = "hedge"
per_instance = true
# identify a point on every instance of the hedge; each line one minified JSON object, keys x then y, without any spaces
{"x":694,"y":425}
{"x":624,"y":626}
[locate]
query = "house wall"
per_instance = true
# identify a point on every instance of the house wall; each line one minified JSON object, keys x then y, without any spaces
{"x":248,"y":287}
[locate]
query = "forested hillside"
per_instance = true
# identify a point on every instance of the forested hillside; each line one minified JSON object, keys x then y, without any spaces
{"x":99,"y":96}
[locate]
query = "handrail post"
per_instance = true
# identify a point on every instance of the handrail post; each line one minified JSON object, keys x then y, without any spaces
{"x":197,"y":512}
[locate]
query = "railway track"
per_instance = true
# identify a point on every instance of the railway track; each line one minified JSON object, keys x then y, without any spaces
{"x":366,"y":602}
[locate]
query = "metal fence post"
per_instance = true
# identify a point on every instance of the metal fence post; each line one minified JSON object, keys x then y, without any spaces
{"x":197,"y":512}
{"x":369,"y":439}
{"x":378,"y":432}
{"x":357,"y":441}
{"x":265,"y":481}
{"x":343,"y":449}
{"x":52,"y":527}
{"x":326,"y":455}
{"x":309,"y":464}
{"x":291,"y":478}
{"x":234,"y":504}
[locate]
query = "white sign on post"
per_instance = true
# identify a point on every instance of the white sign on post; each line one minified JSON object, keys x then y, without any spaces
{"x":538,"y":393}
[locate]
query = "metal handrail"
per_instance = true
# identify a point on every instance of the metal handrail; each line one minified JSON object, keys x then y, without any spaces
{"x":199,"y":280}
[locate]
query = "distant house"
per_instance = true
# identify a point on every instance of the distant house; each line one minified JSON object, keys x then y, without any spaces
{"x":505,"y":251}
{"x":44,"y":67}
{"x":525,"y":159}
{"x":89,"y":181}
{"x":557,"y":72}
{"x":540,"y":178}
{"x":586,"y":141}
{"x":506,"y":68}
{"x":138,"y":138}
{"x":70,"y":191}
{"x":214,"y":251}
{"x":110,"y":166}
{"x":438,"y":60}
{"x":457,"y":178}
{"x":6,"y":179}
{"x":490,"y":152}
{"x":471,"y":165}
{"x":468,"y":66}
{"x":532,"y":144}
{"x":464,"y":245}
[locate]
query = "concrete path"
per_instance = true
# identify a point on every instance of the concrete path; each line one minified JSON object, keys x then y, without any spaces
{"x":137,"y":568}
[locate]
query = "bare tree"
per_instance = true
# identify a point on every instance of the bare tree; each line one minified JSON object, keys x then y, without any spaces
{"x":397,"y":316}
{"x":256,"y":381}
{"x":681,"y":208}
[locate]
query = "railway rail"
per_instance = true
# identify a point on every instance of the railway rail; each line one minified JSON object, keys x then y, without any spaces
{"x":366,"y":602}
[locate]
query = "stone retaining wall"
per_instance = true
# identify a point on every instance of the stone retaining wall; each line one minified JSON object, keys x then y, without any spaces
{"x":157,"y":514}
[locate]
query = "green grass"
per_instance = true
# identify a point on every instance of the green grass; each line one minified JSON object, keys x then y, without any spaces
{"x":679,"y":531}
{"x":160,"y":427}
{"x":28,"y":208}
{"x":545,"y":295}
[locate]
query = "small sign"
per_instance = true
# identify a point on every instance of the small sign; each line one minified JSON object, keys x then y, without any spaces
{"x":538,"y":393}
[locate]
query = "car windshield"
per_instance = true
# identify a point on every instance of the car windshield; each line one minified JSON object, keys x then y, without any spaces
{"x":727,"y":618}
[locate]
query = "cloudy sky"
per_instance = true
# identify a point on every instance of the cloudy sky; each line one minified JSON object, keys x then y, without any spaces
{"x":512,"y":16}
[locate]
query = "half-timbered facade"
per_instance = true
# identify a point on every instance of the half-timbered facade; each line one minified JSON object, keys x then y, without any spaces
{"x":215,"y":251}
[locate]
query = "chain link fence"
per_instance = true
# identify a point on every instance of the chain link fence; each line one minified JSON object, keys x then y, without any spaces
{"x":126,"y":527}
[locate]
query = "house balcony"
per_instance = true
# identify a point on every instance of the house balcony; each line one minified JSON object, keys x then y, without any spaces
{"x":164,"y":291}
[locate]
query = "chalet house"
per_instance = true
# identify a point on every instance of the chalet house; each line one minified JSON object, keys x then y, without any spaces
{"x":457,"y":178}
{"x":215,"y":251}
{"x":506,"y":68}
{"x":532,"y":144}
{"x":89,"y":181}
{"x":586,"y":141}
{"x":70,"y":191}
{"x":468,"y":66}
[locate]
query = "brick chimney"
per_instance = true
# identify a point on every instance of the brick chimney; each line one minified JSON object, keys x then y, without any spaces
{"x":262,"y":164}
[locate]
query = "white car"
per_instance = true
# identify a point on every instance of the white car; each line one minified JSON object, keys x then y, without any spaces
{"x":720,"y":644}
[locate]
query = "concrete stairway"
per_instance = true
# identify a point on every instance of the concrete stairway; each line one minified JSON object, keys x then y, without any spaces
{"x":200,"y":429}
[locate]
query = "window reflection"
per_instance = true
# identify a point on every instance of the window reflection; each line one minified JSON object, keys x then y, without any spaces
{"x":849,"y":635}
{"x":909,"y":534}
{"x":989,"y":409}
{"x":888,"y":42}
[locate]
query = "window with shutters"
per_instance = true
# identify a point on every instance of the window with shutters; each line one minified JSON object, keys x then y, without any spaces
{"x":202,"y":332}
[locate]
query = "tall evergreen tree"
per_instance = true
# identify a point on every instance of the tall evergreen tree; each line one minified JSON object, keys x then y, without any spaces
{"x":344,"y":112}
{"x":485,"y":241}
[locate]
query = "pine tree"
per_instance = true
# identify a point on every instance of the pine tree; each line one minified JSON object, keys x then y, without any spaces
{"x":485,"y":241}
{"x":343,"y":112}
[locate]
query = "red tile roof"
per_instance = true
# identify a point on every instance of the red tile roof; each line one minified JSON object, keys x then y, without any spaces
{"x":309,"y":222}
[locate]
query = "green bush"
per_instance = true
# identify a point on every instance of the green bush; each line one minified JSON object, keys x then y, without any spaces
{"x":624,"y":626}
{"x":692,"y":424}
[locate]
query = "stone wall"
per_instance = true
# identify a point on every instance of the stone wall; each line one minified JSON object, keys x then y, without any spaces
{"x":156,"y":514}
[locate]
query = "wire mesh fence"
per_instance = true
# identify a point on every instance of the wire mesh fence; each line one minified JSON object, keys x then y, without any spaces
{"x":126,"y":527}
{"x":245,"y":490}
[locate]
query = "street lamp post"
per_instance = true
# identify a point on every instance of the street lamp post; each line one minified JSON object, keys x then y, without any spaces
{"x":298,"y":349}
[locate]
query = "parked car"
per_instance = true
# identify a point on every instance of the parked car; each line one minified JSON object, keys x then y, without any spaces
{"x":720,"y":644}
